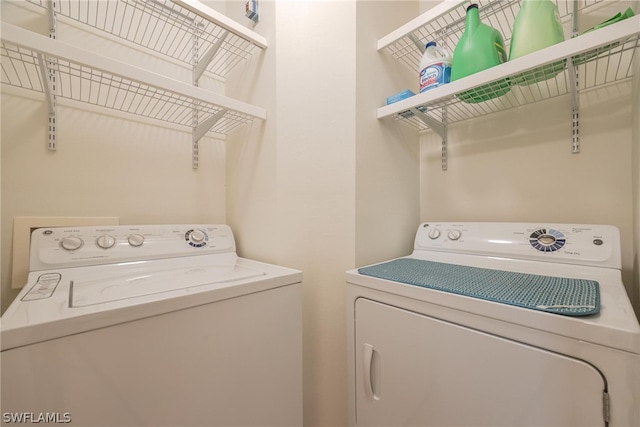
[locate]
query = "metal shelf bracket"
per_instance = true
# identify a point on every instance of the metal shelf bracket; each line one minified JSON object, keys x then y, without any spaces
{"x":206,"y":59}
{"x":443,"y":155}
{"x":575,"y":88}
{"x":200,"y":64}
{"x":438,"y":127}
{"x":432,"y":123}
{"x":49,"y":79}
{"x":199,"y":67}
{"x":48,"y":76}
{"x":200,"y":129}
{"x":194,"y":141}
{"x":195,"y":156}
{"x":575,"y":107}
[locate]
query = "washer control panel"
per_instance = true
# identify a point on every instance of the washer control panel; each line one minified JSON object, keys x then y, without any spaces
{"x":77,"y":246}
{"x":580,"y":244}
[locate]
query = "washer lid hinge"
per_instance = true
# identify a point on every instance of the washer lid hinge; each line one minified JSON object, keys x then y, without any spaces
{"x":605,"y":407}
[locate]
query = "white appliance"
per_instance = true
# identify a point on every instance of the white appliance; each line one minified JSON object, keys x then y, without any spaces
{"x":152,"y":325}
{"x":438,"y":353}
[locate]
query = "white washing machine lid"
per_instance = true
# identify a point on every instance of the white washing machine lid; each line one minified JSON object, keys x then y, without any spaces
{"x":614,"y":326}
{"x":131,"y":284}
{"x":56,"y":303}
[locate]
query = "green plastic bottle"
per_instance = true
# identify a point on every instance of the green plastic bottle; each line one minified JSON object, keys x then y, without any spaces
{"x":480,"y":47}
{"x":536,"y":26}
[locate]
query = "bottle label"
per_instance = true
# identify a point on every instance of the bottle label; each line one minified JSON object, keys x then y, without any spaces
{"x":434,"y":75}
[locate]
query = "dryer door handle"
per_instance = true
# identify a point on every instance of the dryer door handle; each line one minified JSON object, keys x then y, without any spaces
{"x":371,"y":371}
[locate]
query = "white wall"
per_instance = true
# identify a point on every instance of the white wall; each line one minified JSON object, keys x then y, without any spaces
{"x":387,"y":153}
{"x":635,"y":159}
{"x":313,"y":188}
{"x":292,"y":183}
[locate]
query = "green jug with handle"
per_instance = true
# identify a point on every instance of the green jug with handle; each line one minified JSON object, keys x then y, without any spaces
{"x":536,"y":27}
{"x":480,"y":47}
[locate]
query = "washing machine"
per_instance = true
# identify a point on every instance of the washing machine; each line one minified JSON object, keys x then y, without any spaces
{"x":152,"y":325}
{"x":495,"y":324}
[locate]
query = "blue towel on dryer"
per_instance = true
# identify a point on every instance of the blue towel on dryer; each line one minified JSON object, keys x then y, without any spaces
{"x":559,"y":295}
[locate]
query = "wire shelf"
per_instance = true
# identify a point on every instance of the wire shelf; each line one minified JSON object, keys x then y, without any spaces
{"x":28,"y":59}
{"x":601,"y":57}
{"x":165,"y":27}
{"x":595,"y":69}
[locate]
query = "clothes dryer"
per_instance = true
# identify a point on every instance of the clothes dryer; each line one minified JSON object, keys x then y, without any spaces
{"x":489,"y":324}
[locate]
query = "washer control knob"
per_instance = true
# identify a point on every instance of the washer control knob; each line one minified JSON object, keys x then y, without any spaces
{"x":71,"y":243}
{"x":434,"y":233}
{"x":196,"y":238}
{"x":454,"y":234}
{"x":135,"y":239}
{"x":105,"y":241}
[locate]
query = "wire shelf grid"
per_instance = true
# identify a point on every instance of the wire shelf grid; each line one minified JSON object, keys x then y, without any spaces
{"x":161,"y":26}
{"x":444,"y":24}
{"x":21,"y":67}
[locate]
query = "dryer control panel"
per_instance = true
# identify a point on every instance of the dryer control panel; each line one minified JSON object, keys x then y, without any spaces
{"x":582,"y":244}
{"x":60,"y":247}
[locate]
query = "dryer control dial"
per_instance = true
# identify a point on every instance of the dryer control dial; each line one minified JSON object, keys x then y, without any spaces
{"x":434,"y":233}
{"x":71,"y":243}
{"x":547,"y":240}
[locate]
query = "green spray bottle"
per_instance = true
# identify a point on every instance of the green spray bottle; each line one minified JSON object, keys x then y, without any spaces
{"x":537,"y":26}
{"x":480,"y":47}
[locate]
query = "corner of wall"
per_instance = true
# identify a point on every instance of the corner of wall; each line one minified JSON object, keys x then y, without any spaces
{"x":387,"y":153}
{"x":635,"y":150}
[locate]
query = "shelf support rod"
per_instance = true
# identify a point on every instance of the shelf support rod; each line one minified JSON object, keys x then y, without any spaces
{"x":574,"y":82}
{"x":575,"y":107}
{"x":444,"y":158}
{"x":443,"y":155}
{"x":194,"y":141}
{"x":195,"y":116}
{"x":206,"y":59}
{"x":49,"y":79}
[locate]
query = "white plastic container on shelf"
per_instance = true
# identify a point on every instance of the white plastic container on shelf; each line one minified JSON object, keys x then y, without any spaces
{"x":435,"y":67}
